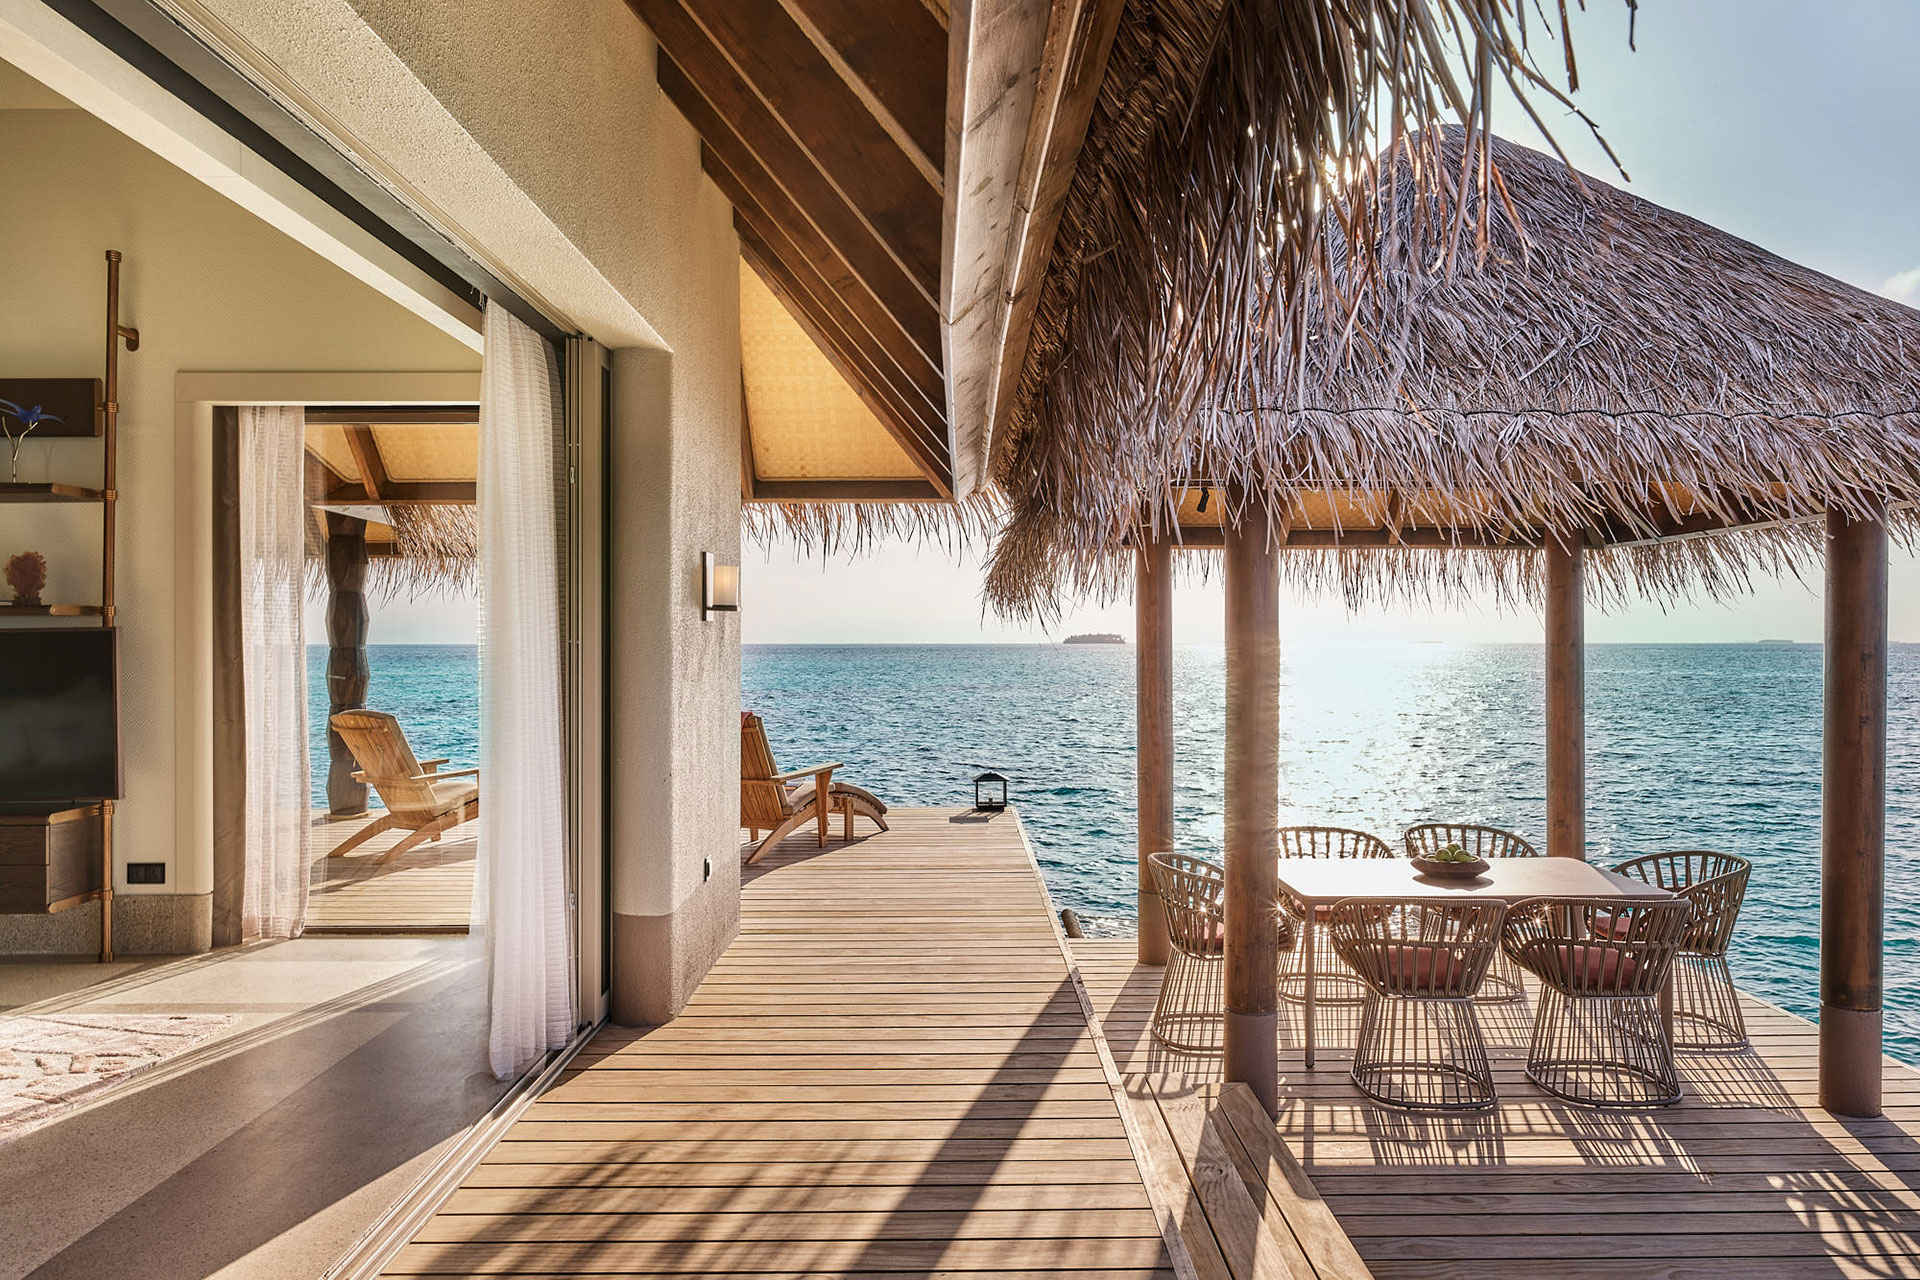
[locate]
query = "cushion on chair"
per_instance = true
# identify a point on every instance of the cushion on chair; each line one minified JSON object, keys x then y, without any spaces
{"x":801,"y":796}
{"x":1420,"y":968}
{"x":1217,"y":944}
{"x":450,"y":795}
{"x":1594,"y":968}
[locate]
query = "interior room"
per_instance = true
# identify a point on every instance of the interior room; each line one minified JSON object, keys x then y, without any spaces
{"x":180,"y":1057}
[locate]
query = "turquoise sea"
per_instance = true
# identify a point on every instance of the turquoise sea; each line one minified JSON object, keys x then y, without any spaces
{"x":1689,"y":746}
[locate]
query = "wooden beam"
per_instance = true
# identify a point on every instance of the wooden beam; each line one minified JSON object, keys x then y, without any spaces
{"x":1566,"y":701}
{"x":366,"y":457}
{"x":392,"y":415}
{"x":825,"y":274}
{"x":993,"y":62}
{"x":431,"y":493}
{"x":785,"y":183}
{"x":1853,"y":817}
{"x":1252,"y":573}
{"x":748,"y":472}
{"x":1153,"y":731}
{"x":894,"y":56}
{"x":893,"y":405}
{"x":1079,"y":40}
{"x":1209,"y":537}
{"x":846,"y":491}
{"x":735,"y":49}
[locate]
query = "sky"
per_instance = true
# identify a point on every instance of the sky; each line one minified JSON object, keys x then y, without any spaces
{"x":1786,"y":123}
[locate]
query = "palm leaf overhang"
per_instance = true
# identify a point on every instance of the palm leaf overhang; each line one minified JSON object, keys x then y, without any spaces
{"x":1416,"y":367}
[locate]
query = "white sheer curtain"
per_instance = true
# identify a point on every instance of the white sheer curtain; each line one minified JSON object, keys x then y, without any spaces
{"x":521,"y":889}
{"x":274,"y":669}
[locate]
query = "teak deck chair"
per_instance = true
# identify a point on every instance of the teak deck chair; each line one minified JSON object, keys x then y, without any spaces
{"x":419,"y":798}
{"x":768,"y":801}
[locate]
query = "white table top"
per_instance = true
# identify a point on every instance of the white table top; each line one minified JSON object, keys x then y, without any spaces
{"x":1318,"y":881}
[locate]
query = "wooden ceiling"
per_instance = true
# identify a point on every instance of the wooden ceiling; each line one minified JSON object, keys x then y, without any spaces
{"x":824,"y":122}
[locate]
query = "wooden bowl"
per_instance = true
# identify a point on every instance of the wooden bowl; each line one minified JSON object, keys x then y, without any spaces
{"x":1450,"y":870}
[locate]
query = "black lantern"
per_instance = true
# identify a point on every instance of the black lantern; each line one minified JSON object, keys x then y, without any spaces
{"x":990,"y":791}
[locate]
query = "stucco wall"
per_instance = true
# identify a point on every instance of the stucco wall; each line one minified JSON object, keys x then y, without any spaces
{"x":561,"y":95}
{"x":210,"y":287}
{"x":551,"y":106}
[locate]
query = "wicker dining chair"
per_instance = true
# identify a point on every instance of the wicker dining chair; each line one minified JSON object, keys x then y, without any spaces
{"x":1190,"y":1015}
{"x":1421,"y":959}
{"x":1706,"y":1008}
{"x":1333,"y":984}
{"x":1598,"y":1037}
{"x":1504,"y":984}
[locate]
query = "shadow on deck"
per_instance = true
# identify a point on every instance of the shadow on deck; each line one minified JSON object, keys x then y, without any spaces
{"x":427,"y":889}
{"x":1746,"y":1178}
{"x":890,"y":1072}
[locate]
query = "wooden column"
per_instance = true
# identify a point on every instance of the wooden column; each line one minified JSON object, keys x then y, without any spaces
{"x":1153,"y":728}
{"x":1566,"y":657}
{"x":347,"y":670}
{"x":1853,"y":816}
{"x":1252,"y":802}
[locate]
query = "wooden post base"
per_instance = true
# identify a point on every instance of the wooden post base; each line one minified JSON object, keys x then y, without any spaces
{"x":1850,"y":1061}
{"x":1253,"y":1055}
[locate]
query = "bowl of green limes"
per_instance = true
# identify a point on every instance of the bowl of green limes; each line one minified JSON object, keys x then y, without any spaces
{"x":1450,"y":863}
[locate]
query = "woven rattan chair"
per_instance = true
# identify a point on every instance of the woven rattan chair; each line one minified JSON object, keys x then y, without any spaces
{"x":1333,"y":984}
{"x":1504,"y":984}
{"x":1190,"y":1015}
{"x":1706,"y":1008}
{"x":1421,"y":960}
{"x":1598,"y":1038}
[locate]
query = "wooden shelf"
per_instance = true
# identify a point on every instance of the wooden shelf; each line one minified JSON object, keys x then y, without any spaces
{"x":49,"y":493}
{"x":8,"y":609}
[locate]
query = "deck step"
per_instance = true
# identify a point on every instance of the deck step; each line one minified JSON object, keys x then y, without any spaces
{"x":1244,"y":1206}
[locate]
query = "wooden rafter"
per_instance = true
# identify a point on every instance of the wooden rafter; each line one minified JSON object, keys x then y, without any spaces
{"x":807,"y":206}
{"x":842,"y":295}
{"x":736,"y":48}
{"x":366,"y":458}
{"x":846,"y":491}
{"x":889,"y":54}
{"x":904,"y":412}
{"x":397,"y":494}
{"x":1023,"y":81}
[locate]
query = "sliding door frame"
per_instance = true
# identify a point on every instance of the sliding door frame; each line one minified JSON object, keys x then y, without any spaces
{"x":589,"y":371}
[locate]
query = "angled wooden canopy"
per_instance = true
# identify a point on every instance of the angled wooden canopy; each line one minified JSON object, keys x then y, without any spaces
{"x":823,"y":122}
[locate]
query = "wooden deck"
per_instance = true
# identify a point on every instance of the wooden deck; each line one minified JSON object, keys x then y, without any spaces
{"x":428,"y":889}
{"x":889,"y":1073}
{"x":1746,"y":1179}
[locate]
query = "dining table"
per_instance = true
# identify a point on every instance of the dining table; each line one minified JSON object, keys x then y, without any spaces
{"x":1321,"y":882}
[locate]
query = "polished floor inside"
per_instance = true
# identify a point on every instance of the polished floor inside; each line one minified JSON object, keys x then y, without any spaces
{"x":347,"y":1068}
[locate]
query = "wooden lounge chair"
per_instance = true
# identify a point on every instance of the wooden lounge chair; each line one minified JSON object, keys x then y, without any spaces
{"x":769,"y":800}
{"x":419,"y":798}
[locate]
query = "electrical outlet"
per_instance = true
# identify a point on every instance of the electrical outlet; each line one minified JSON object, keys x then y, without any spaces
{"x":146,"y":873}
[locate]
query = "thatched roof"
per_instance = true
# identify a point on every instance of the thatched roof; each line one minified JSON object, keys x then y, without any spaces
{"x":1587,"y":367}
{"x":405,"y":480}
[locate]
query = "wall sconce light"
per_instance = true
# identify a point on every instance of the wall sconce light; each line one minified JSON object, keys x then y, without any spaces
{"x":719,"y":586}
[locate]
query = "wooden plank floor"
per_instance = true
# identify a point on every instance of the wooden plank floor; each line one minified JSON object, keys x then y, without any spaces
{"x":888,"y":1073}
{"x":427,"y":889}
{"x":1746,"y":1178}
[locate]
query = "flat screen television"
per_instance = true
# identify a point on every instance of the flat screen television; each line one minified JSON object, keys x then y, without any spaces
{"x":59,"y":715}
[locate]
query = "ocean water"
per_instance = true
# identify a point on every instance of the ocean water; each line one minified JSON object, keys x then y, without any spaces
{"x":1689,"y":746}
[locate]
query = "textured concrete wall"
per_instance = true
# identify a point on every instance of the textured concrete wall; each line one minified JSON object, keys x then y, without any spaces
{"x":210,"y":287}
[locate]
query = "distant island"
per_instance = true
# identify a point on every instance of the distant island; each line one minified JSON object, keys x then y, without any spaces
{"x":1096,"y":637}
